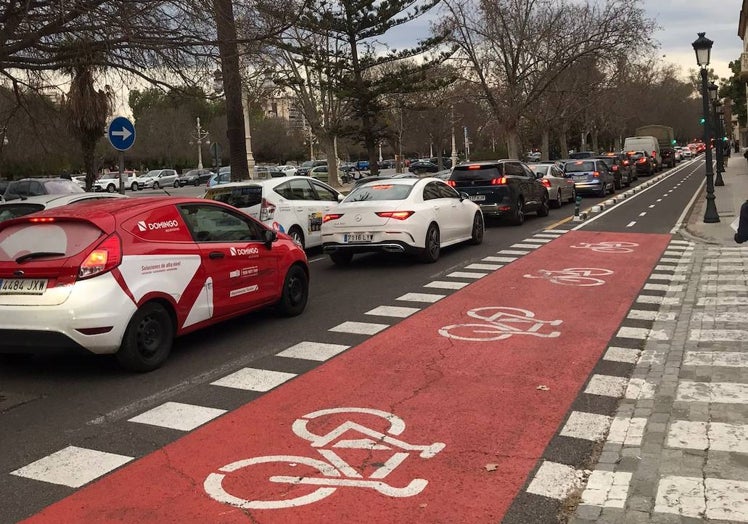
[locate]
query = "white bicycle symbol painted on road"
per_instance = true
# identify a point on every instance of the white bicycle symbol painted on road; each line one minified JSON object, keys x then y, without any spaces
{"x":608,"y":247}
{"x":574,"y":276}
{"x":500,"y":323}
{"x":335,"y":472}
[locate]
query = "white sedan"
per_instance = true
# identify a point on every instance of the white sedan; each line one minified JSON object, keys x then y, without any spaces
{"x":28,"y":205}
{"x":400,"y":215}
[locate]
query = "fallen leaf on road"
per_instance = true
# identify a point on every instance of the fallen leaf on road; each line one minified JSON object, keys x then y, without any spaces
{"x":491,"y":467}
{"x":543,"y":387}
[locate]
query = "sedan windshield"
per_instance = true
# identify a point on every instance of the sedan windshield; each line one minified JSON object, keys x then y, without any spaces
{"x":579,"y":167}
{"x":379,"y":192}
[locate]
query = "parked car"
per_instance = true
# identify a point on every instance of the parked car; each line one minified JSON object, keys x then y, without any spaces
{"x":193,"y":177}
{"x":222,"y":177}
{"x":288,"y":170}
{"x":533,"y":156}
{"x":400,"y":215}
{"x":28,"y":187}
{"x":109,"y":182}
{"x":591,"y":175}
{"x":560,"y":189}
{"x":621,"y":173}
{"x":155,"y":179}
{"x":423,"y":166}
{"x":668,"y":156}
{"x":128,"y":276}
{"x":305,"y":167}
{"x":643,"y":163}
{"x":292,"y":205}
{"x":34,"y":204}
{"x":502,"y":188}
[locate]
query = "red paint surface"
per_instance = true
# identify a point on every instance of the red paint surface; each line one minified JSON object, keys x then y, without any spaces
{"x":478,"y":398}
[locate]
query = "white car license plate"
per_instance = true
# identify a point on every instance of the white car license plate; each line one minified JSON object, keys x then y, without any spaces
{"x":23,"y":286}
{"x":358,"y":237}
{"x":477,"y":198}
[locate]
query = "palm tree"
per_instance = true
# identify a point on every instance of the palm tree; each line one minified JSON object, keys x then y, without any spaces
{"x":88,"y":110}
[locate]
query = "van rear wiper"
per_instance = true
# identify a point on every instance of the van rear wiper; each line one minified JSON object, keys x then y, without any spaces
{"x":38,"y":254}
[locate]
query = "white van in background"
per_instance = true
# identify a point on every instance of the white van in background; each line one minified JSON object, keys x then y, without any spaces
{"x":645,"y":143}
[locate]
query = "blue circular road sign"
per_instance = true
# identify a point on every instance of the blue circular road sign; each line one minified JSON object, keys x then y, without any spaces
{"x":121,"y":133}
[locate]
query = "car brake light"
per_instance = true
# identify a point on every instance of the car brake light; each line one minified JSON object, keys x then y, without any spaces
{"x":106,"y":256}
{"x":654,"y":154}
{"x":625,"y":162}
{"x":267,"y":210}
{"x":474,"y":166}
{"x":596,"y":174}
{"x":398,"y":215}
{"x":546,"y":183}
{"x":41,"y":220}
{"x":615,"y":168}
{"x":501,"y":181}
{"x":451,"y":183}
{"x":331,"y":216}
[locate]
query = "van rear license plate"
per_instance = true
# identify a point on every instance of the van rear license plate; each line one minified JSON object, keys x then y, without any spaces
{"x":23,"y":286}
{"x":477,"y":198}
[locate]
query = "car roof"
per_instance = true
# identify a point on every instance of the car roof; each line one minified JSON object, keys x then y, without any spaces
{"x":270,"y":182}
{"x":57,"y":199}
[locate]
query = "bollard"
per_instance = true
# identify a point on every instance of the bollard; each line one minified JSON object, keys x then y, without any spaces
{"x":577,"y":205}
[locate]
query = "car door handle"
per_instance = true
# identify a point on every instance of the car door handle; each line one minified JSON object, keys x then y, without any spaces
{"x":216,"y":254}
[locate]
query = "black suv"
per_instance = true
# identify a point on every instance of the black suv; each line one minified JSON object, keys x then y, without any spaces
{"x":502,"y":188}
{"x":668,"y":156}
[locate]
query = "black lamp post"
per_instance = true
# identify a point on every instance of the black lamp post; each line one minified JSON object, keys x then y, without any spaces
{"x":703,"y":48}
{"x":718,"y":144}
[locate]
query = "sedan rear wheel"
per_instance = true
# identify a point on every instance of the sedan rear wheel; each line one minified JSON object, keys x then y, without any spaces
{"x":176,"y":184}
{"x":111,"y":188}
{"x":544,"y":207}
{"x":295,"y":292}
{"x":134,"y":186}
{"x":518,"y":217}
{"x":156,"y":185}
{"x":432,"y":247}
{"x":148,"y":338}
{"x":558,"y":201}
{"x":476,"y":236}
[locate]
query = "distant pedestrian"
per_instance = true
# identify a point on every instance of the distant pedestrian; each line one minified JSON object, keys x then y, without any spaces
{"x":742,"y":234}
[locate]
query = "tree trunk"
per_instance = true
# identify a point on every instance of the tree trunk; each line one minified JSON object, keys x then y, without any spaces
{"x":328,"y":146}
{"x":88,"y":149}
{"x":563,"y":143}
{"x":545,"y":146}
{"x":595,"y":147}
{"x":232,"y":85}
{"x":513,"y":143}
{"x":371,"y":149}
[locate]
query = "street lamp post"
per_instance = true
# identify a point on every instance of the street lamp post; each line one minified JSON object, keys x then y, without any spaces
{"x":703,"y":48}
{"x":199,"y":139}
{"x":718,"y":145}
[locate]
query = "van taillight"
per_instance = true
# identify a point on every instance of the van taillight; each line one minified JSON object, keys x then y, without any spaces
{"x":106,"y":256}
{"x":501,"y":181}
{"x":267,"y":210}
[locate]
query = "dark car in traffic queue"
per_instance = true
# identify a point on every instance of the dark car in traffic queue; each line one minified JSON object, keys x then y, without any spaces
{"x":193,"y":177}
{"x":642,"y":162}
{"x":423,"y":166}
{"x":591,"y":175}
{"x":621,"y":173}
{"x":502,"y":188}
{"x":668,"y":156}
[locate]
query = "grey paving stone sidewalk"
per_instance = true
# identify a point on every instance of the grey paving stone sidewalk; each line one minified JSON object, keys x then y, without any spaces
{"x":691,"y":462}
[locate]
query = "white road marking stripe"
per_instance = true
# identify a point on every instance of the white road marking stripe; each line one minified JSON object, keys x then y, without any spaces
{"x":543,"y":235}
{"x":393,"y":311}
{"x":703,"y":498}
{"x":176,"y":415}
{"x":536,"y":240}
{"x":466,"y":274}
{"x":659,"y":200}
{"x":72,"y":466}
{"x":725,"y":359}
{"x":317,"y":351}
{"x":505,"y":260}
{"x":740,"y":270}
{"x":722,"y":301}
{"x":631,"y":223}
{"x":665,"y":301}
{"x":627,"y":431}
{"x":669,"y":267}
{"x":643,"y":213}
{"x":487,"y":267}
{"x":429,"y":298}
{"x":555,"y":480}
{"x":512,"y":252}
{"x":723,"y":288}
{"x":587,"y":426}
{"x":725,"y":260}
{"x":718,"y":335}
{"x":719,"y":392}
{"x":727,"y":316}
{"x":651,"y":206}
{"x":607,"y":489}
{"x":639,"y":314}
{"x":682,"y":242}
{"x":251,"y":379}
{"x":670,"y":260}
{"x":616,"y":354}
{"x":524,"y":246}
{"x":663,"y":276}
{"x":561,"y":231}
{"x":662,"y":287}
{"x":712,"y":436}
{"x":736,"y":278}
{"x":359,"y":328}
{"x":440,"y":284}
{"x":606,"y":386}
{"x":642,"y":333}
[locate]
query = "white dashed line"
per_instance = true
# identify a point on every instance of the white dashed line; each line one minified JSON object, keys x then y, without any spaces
{"x":359,"y":328}
{"x":714,"y":436}
{"x":466,"y":274}
{"x":317,"y":351}
{"x":251,"y":379}
{"x":393,"y":311}
{"x":717,"y":392}
{"x":176,"y":415}
{"x":703,"y":498}
{"x":72,"y":466}
{"x":555,"y":480}
{"x":586,"y":426}
{"x":440,"y":284}
{"x":631,"y":223}
{"x":428,"y":298}
{"x":487,"y":267}
{"x":643,"y":213}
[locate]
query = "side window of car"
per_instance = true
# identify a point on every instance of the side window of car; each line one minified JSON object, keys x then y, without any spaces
{"x":35,"y":188}
{"x":284,"y":190}
{"x":513,"y":169}
{"x":431,"y":191}
{"x":215,"y":224}
{"x":301,"y":190}
{"x":527,"y":171}
{"x":445,"y":191}
{"x":324,"y":193}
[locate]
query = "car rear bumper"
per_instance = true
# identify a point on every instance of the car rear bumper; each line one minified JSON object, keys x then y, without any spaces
{"x":583,"y":187}
{"x":495,"y":210}
{"x":393,"y":246}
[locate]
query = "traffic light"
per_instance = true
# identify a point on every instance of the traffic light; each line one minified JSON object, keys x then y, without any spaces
{"x":673,"y":141}
{"x":701,"y":121}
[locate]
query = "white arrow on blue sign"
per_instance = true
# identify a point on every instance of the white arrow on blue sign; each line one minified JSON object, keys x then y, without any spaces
{"x":121,"y":133}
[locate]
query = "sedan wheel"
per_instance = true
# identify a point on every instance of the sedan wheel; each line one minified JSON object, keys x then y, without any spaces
{"x":134,"y":186}
{"x":558,"y":201}
{"x":148,"y":339}
{"x":176,"y":184}
{"x":431,"y":251}
{"x":295,"y":292}
{"x":518,"y":217}
{"x":476,"y":236}
{"x":156,"y":186}
{"x":544,"y":207}
{"x":110,"y":188}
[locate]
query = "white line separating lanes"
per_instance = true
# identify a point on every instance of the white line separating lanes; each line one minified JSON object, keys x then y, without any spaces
{"x":633,"y":197}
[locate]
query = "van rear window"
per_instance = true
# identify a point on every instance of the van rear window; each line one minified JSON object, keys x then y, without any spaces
{"x":69,"y":238}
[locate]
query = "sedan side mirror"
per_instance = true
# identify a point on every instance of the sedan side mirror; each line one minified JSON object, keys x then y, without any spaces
{"x":341,"y":197}
{"x":270,"y":237}
{"x":464,"y":196}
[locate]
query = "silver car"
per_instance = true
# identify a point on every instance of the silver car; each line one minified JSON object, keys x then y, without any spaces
{"x":560,"y":188}
{"x":155,"y":179}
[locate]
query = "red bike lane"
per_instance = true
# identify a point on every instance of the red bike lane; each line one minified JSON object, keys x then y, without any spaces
{"x":437,"y":419}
